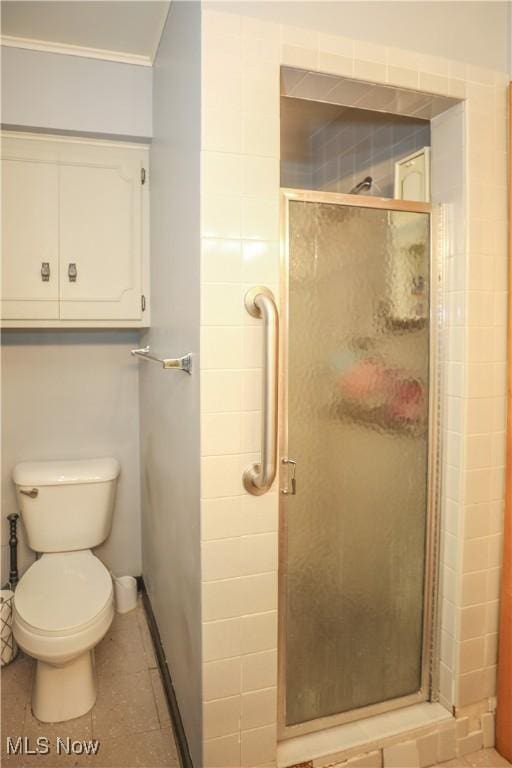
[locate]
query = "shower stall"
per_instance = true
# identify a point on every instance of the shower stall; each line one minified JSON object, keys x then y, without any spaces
{"x":356,"y":457}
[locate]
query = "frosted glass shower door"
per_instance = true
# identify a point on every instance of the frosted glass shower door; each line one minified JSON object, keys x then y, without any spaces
{"x":356,"y":384}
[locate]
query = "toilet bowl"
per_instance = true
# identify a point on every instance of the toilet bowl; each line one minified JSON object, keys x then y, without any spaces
{"x":63,"y":604}
{"x":63,"y":607}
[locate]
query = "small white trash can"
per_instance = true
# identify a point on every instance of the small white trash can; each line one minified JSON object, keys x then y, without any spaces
{"x":125,"y":591}
{"x":9,"y":648}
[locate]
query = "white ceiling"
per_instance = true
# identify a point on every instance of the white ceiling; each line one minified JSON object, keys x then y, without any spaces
{"x":132,"y":27}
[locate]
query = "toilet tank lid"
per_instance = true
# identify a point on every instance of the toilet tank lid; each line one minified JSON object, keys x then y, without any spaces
{"x":65,"y":472}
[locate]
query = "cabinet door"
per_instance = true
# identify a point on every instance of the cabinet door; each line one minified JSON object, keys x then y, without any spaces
{"x":101,"y":234}
{"x":30,"y":236}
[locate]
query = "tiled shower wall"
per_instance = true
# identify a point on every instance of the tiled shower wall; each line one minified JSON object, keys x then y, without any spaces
{"x":448,"y":182}
{"x":473,"y":190}
{"x":240,"y":233}
{"x":475,"y":421}
{"x":240,"y":248}
{"x":358,"y":143}
{"x":364,"y":144}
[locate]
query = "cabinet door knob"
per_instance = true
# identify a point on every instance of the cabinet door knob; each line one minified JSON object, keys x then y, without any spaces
{"x":45,"y":271}
{"x":72,"y":272}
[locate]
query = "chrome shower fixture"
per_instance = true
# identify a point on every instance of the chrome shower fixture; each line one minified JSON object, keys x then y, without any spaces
{"x":364,"y":186}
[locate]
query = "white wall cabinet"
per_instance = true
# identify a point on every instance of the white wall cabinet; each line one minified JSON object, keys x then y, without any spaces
{"x":74,"y":233}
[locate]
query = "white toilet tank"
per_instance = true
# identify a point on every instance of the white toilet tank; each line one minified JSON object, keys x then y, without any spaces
{"x":66,"y":505}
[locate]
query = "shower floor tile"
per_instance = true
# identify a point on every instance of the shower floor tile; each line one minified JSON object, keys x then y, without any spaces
{"x":130,"y":718}
{"x":484,"y":758}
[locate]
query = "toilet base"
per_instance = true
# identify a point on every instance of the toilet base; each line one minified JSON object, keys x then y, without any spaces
{"x":66,"y":691}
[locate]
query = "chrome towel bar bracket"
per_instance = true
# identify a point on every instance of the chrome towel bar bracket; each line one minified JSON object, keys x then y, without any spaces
{"x":179,"y":363}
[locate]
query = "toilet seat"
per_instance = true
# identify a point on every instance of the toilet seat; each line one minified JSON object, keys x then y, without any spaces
{"x":63,"y":606}
{"x":62,"y":593}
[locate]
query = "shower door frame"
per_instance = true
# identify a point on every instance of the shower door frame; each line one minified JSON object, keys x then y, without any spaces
{"x":431,"y":630}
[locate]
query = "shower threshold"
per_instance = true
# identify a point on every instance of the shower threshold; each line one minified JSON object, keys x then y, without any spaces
{"x":373,"y":733}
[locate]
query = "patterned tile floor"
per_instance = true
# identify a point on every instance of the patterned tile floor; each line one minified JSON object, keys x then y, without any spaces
{"x":130,"y":717}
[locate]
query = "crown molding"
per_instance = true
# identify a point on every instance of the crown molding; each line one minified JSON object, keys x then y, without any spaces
{"x":75,"y":50}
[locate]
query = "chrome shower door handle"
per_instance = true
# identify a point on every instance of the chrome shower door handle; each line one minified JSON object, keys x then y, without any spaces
{"x":258,"y":478}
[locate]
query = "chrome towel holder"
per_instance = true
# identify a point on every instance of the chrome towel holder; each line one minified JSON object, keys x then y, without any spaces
{"x":178,"y":363}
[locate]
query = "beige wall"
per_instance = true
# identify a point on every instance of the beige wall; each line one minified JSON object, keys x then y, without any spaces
{"x":169,"y":400}
{"x":74,"y":394}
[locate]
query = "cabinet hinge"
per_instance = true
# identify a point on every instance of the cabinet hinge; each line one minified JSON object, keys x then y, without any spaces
{"x":142,"y":175}
{"x":143,"y":302}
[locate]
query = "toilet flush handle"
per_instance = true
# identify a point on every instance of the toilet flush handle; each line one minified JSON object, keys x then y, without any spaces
{"x":32,"y":493}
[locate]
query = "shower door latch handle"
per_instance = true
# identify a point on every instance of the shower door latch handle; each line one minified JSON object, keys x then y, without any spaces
{"x":258,"y":478}
{"x":291,"y":488}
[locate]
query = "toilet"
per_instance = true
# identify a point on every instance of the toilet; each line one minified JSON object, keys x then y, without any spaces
{"x":63,"y":604}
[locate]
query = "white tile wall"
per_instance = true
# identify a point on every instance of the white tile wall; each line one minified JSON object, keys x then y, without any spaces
{"x":474,"y":450}
{"x":361,"y":143}
{"x":240,"y":215}
{"x":240,"y":234}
